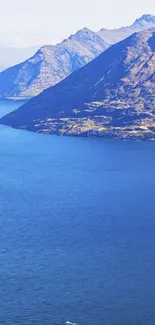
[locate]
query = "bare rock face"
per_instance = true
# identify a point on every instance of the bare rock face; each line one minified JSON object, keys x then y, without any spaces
{"x":114,"y":96}
{"x":51,"y":64}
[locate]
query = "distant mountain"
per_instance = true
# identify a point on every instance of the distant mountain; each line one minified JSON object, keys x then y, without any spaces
{"x":11,"y":56}
{"x":51,"y":64}
{"x":114,"y":96}
{"x":113,"y":36}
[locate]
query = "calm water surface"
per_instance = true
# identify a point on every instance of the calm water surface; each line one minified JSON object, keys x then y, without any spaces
{"x":77,"y":230}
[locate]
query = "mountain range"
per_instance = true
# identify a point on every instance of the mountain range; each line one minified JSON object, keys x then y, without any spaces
{"x":113,"y":36}
{"x":51,"y":64}
{"x":113,"y":95}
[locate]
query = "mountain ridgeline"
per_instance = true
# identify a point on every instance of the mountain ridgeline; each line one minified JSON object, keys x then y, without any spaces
{"x":113,"y":36}
{"x":51,"y":64}
{"x":113,"y":95}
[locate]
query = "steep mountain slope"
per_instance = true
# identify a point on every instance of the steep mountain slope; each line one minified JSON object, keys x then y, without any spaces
{"x":51,"y":64}
{"x":114,"y":95}
{"x":113,"y":36}
{"x":11,"y":56}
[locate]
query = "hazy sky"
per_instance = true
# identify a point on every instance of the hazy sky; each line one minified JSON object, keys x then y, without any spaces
{"x":32,"y":22}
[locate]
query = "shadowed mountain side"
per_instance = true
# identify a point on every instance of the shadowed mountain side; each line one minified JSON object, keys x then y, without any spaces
{"x":111,"y":96}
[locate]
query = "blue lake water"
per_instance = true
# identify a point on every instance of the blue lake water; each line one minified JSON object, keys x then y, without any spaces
{"x":77,"y":230}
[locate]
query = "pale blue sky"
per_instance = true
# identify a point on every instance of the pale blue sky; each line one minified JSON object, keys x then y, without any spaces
{"x":30,"y":22}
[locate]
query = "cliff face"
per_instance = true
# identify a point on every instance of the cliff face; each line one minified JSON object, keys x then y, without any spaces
{"x":51,"y":64}
{"x":114,"y":95}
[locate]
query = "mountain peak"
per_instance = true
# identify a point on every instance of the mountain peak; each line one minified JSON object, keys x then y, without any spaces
{"x":82,"y":33}
{"x":112,"y":96}
{"x":86,"y":36}
{"x":85,"y":30}
{"x":113,"y":36}
{"x":145,"y":19}
{"x":51,"y":64}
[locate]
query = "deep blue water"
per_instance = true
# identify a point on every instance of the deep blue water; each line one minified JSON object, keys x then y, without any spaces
{"x":77,"y":230}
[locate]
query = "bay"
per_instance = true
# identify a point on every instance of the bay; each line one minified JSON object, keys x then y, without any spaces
{"x":77,"y":229}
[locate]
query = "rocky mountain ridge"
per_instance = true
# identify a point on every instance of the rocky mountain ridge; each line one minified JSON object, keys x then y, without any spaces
{"x":113,"y":95}
{"x":52,"y":64}
{"x":113,"y":36}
